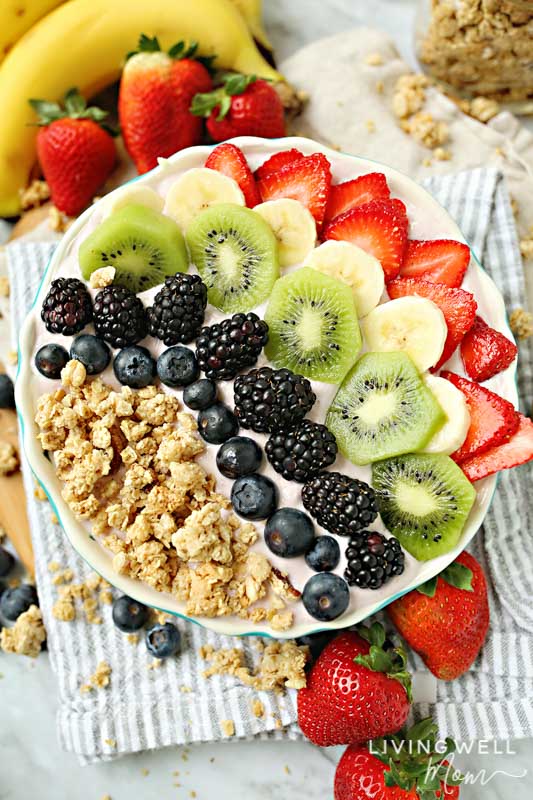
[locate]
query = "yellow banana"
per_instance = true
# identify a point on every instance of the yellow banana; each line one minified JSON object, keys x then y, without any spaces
{"x":83,"y":43}
{"x":18,"y":16}
{"x":251,"y":10}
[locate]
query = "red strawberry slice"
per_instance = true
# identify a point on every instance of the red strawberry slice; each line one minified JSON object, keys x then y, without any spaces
{"x":230,"y":161}
{"x":493,"y":420}
{"x":486,"y":351}
{"x":439,"y":261}
{"x":307,"y":179}
{"x":458,"y":307}
{"x":277,"y":161}
{"x":518,"y":450}
{"x":379,"y":228}
{"x":361,"y":190}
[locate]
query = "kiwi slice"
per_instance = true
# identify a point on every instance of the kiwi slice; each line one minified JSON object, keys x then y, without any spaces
{"x":236,"y":254}
{"x":424,"y":500}
{"x":143,"y":245}
{"x":313,"y":328}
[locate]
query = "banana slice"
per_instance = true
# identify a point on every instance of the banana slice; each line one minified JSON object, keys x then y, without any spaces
{"x":293,"y":226}
{"x":128,"y":195}
{"x":350,"y":264}
{"x":452,"y":401}
{"x":198,"y":189}
{"x":412,"y":324}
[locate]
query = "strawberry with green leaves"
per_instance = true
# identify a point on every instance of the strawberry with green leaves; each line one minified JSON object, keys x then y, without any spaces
{"x":75,"y":152}
{"x":409,"y":766}
{"x":243,"y":106}
{"x":156,"y":91}
{"x":358,"y":689}
{"x":446,"y":619}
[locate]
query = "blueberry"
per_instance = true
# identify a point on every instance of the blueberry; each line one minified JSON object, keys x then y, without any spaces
{"x":239,"y":456}
{"x":326,"y":596}
{"x":15,"y":602}
{"x":7,"y":392}
{"x":6,"y":562}
{"x":217,"y":424}
{"x":289,"y":533}
{"x":200,"y":394}
{"x":325,"y":555}
{"x":316,"y":642}
{"x":129,"y":615}
{"x":254,"y":496}
{"x":93,"y":353}
{"x":163,"y":640}
{"x":177,"y":367}
{"x":134,"y":367}
{"x":50,"y":360}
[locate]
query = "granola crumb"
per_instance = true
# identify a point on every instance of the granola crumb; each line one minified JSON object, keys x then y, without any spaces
{"x":132,"y":638}
{"x":380,"y":87}
{"x":64,"y":609}
{"x":74,"y":374}
{"x":102,"y":277}
{"x":185,"y":689}
{"x":26,"y":636}
{"x":514,"y":206}
{"x":370,"y":126}
{"x":192,"y":793}
{"x":526,"y":245}
{"x":258,"y":709}
{"x":40,"y":494}
{"x":426,"y":130}
{"x":441,"y":154}
{"x":4,"y":286}
{"x":110,"y":742}
{"x":374,"y":59}
{"x":427,"y":162}
{"x":53,"y":518}
{"x":409,"y":94}
{"x":100,"y":679}
{"x":228,"y":727}
{"x":155,"y":664}
{"x":145,"y":772}
{"x":9,"y":460}
{"x":483,"y":108}
{"x":521,"y":323}
{"x":281,"y":666}
{"x":57,"y":221}
{"x":286,"y":769}
{"x":12,"y":358}
{"x":106,"y":797}
{"x":34,"y":195}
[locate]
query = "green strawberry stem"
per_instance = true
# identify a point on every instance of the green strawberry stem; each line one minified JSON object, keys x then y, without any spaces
{"x":233,"y":84}
{"x":74,"y":107}
{"x":455,"y":574}
{"x":391,"y":661}
{"x":178,"y":51}
{"x":415,"y":763}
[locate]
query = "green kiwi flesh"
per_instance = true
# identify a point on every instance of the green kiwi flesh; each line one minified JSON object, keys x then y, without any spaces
{"x":383,"y":409}
{"x":236,"y":253}
{"x":141,"y":244}
{"x":313,"y":327}
{"x":424,"y":500}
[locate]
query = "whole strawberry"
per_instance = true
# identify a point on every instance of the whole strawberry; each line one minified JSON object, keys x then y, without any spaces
{"x":156,"y":91}
{"x":446,"y":619}
{"x":243,"y":106}
{"x":356,"y":690}
{"x":403,"y":767}
{"x":75,"y":153}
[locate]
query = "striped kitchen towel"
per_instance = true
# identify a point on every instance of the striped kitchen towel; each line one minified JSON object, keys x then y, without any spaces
{"x":148,"y":708}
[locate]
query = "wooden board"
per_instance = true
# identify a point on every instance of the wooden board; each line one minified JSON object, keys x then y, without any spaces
{"x":13,"y":516}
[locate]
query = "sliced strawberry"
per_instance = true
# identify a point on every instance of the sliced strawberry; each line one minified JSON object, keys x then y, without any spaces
{"x":361,"y":190}
{"x":230,"y":161}
{"x":379,"y":228}
{"x":493,"y":420}
{"x":439,"y":261}
{"x":485,"y":351}
{"x":277,"y":161}
{"x":518,"y":450}
{"x":307,"y":179}
{"x":458,"y":307}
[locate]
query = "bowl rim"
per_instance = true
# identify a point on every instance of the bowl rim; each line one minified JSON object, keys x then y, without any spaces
{"x":82,"y":540}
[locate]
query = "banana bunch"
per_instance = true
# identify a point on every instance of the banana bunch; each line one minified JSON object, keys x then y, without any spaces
{"x":83,"y":43}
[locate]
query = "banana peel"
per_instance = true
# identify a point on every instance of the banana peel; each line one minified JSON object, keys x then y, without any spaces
{"x":18,"y":16}
{"x":251,"y":11}
{"x":83,"y":43}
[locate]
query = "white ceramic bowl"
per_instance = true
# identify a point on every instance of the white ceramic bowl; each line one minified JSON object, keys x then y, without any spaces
{"x":428,"y":220}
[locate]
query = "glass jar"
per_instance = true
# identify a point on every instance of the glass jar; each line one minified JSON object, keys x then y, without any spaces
{"x":479,"y":48}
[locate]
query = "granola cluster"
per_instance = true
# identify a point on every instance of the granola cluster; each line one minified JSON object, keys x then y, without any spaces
{"x":9,"y":460}
{"x":26,"y":636}
{"x":481,"y":46}
{"x":407,"y":103}
{"x":127,"y":460}
{"x":281,"y":666}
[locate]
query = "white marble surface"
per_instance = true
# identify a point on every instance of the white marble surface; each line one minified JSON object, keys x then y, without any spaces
{"x":31,"y":763}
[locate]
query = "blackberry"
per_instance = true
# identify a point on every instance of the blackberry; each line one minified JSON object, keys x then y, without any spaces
{"x":67,"y":308}
{"x":372,"y":560}
{"x":300,"y":452}
{"x":271,"y":399}
{"x":224,"y":349}
{"x":341,"y":504}
{"x":178,"y":310}
{"x":119,"y":316}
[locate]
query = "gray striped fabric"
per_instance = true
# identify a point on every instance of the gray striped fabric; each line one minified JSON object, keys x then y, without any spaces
{"x":173,"y":705}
